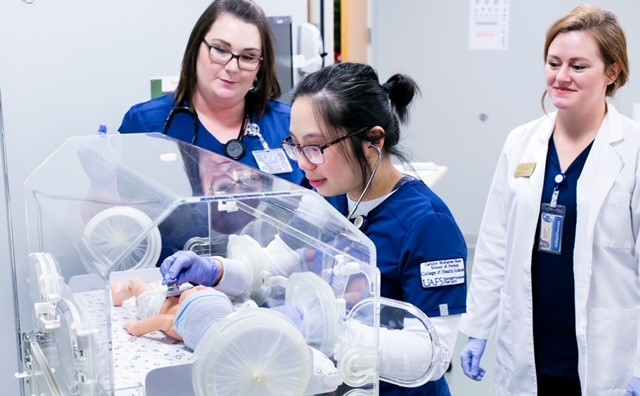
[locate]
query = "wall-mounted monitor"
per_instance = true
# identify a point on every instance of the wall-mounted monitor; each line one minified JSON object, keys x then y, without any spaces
{"x":282,"y":33}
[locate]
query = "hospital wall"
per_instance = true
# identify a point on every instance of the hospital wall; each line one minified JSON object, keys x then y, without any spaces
{"x":65,"y":67}
{"x":429,"y":41}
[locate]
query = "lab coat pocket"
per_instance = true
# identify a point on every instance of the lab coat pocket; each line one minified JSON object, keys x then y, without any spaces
{"x":504,"y":341}
{"x":613,"y":226}
{"x":611,"y":344}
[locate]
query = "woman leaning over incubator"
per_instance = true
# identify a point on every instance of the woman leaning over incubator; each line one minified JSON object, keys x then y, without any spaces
{"x":555,"y":275}
{"x":345,"y":128}
{"x":225,"y":100}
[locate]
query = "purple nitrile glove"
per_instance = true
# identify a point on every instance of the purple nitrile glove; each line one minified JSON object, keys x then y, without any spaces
{"x":187,"y":266}
{"x":470,"y":358}
{"x":633,"y":389}
{"x":290,"y":312}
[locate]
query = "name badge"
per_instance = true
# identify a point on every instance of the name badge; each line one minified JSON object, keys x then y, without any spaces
{"x":551,"y":224}
{"x":272,"y":161}
{"x":442,"y":273}
{"x":525,"y":169}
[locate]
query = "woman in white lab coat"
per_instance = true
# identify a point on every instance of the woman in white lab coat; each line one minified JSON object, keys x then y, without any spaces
{"x":555,"y":276}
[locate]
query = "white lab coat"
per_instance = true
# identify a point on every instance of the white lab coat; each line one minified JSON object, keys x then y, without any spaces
{"x":607,"y":286}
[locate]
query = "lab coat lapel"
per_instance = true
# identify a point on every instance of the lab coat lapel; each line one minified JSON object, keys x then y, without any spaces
{"x":537,"y":152}
{"x":600,"y":170}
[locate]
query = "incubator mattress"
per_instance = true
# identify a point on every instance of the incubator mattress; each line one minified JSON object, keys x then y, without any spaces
{"x":133,"y":357}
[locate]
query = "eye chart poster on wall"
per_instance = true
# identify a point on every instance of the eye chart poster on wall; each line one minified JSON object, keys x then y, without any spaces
{"x":488,"y":24}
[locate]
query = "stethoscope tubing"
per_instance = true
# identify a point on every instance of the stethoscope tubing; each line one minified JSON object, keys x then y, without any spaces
{"x":183,"y":110}
{"x":233,"y":149}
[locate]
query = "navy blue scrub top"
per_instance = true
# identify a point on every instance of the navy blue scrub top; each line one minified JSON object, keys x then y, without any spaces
{"x":188,"y":221}
{"x":553,"y":289}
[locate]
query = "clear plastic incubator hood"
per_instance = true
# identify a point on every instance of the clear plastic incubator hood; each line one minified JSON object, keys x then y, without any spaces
{"x":102,"y":210}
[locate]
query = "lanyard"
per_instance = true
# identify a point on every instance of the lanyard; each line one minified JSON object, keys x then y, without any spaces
{"x":253,"y":129}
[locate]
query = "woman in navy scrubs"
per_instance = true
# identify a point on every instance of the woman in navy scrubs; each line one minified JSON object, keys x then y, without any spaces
{"x":225,"y":102}
{"x":345,"y":128}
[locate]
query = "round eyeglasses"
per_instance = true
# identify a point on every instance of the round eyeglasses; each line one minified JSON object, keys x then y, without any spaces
{"x":313,"y":153}
{"x":223,"y":57}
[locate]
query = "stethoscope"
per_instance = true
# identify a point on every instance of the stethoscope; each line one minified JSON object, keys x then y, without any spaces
{"x":233,"y":149}
{"x":361,"y":221}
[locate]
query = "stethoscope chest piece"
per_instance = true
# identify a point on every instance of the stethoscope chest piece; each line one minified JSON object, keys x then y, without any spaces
{"x":234,"y":149}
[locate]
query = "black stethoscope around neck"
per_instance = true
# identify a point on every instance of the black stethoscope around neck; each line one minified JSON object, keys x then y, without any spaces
{"x":233,"y":149}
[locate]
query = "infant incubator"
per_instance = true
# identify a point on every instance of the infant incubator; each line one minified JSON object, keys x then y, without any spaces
{"x":102,"y":209}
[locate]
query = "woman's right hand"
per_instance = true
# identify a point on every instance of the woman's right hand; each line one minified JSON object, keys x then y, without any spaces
{"x":187,"y":266}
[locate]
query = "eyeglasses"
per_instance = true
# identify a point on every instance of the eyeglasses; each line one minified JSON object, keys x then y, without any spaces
{"x":223,"y":57}
{"x":313,"y":153}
